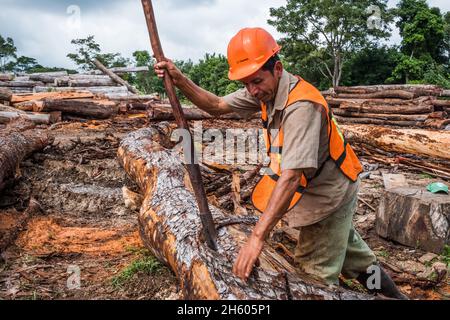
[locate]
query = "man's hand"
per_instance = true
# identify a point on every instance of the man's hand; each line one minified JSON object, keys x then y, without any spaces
{"x":168,"y":65}
{"x":247,"y":257}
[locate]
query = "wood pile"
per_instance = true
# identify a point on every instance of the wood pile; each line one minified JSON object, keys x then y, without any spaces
{"x":97,"y":82}
{"x":420,"y":106}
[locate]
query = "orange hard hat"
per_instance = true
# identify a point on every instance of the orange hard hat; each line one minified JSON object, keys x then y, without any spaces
{"x":249,"y":50}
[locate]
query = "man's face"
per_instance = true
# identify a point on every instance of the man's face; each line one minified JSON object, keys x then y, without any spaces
{"x":263,"y":85}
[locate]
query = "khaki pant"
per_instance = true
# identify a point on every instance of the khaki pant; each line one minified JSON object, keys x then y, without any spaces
{"x":333,"y":246}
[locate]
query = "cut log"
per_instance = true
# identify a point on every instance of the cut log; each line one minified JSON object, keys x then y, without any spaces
{"x":420,"y":142}
{"x":5,"y":94}
{"x":120,"y":70}
{"x":91,"y":83}
{"x":21,"y":84}
{"x":93,"y":109}
{"x":95,"y":90}
{"x":170,"y":227}
{"x":392,"y":117}
{"x":64,"y":81}
{"x":47,"y":77}
{"x":18,"y":141}
{"x":16,"y":99}
{"x":445,"y":93}
{"x":396,"y":94}
{"x":441,"y":103}
{"x":418,"y":90}
{"x":115,"y":77}
{"x":386,"y":108}
{"x":379,"y":122}
{"x":336,"y":102}
{"x":6,"y":76}
{"x":36,"y":118}
{"x":415,"y":217}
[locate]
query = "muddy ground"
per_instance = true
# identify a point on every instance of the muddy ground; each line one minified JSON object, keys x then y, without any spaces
{"x":65,"y":216}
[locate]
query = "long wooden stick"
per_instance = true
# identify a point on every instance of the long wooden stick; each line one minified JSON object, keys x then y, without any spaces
{"x":193,"y":167}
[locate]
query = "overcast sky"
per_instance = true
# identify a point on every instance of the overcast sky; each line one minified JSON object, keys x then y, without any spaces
{"x":42,"y":29}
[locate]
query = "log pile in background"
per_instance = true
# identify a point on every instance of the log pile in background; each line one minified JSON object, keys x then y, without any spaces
{"x":97,"y":82}
{"x":421,"y":106}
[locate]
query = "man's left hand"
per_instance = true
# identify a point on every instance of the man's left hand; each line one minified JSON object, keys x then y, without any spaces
{"x":248,"y":255}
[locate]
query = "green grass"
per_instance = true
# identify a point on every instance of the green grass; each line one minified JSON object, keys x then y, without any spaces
{"x":146,"y":264}
{"x":445,"y":256}
{"x":425,"y":176}
{"x":383,"y":253}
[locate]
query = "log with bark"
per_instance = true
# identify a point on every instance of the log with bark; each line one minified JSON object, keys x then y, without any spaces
{"x":392,"y":94}
{"x":115,"y":77}
{"x":5,"y":94}
{"x":17,"y":99}
{"x":369,"y":107}
{"x":170,"y":227}
{"x":19,"y":140}
{"x":120,"y":70}
{"x":91,"y":83}
{"x":116,"y":91}
{"x":346,"y":120}
{"x":47,"y":77}
{"x":391,"y":117}
{"x":418,"y":90}
{"x":6,"y":76}
{"x":36,"y":118}
{"x":419,"y":142}
{"x":21,"y":84}
{"x":64,"y":81}
{"x":95,"y":109}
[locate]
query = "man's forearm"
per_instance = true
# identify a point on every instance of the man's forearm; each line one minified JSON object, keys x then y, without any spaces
{"x":279,"y":203}
{"x":203,"y":99}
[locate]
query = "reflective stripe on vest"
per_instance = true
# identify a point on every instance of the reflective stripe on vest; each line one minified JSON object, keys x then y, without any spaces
{"x":340,"y":151}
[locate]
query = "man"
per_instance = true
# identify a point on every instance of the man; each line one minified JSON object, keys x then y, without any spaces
{"x":313,"y":172}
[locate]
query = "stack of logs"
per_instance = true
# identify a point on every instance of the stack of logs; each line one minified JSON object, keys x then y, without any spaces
{"x":61,"y":81}
{"x":421,"y":106}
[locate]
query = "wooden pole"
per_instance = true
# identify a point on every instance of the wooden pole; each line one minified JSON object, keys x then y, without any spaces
{"x":209,"y":229}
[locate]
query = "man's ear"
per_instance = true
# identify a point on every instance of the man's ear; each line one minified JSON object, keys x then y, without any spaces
{"x":278,"y":69}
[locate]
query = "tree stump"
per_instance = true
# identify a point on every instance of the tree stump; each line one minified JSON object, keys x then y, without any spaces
{"x":415,"y":218}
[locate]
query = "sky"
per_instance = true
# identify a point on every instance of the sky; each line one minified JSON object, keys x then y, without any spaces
{"x":43,"y":29}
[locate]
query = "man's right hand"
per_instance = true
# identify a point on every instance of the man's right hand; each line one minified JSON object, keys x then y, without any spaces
{"x":168,"y":65}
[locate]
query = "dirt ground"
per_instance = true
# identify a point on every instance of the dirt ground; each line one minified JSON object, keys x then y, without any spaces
{"x":65,"y":216}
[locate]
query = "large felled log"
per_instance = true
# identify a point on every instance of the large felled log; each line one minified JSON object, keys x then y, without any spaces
{"x":418,"y":90}
{"x":396,"y":94}
{"x":36,"y":118}
{"x":64,"y":81}
{"x":91,"y":83}
{"x":96,"y":109}
{"x":21,"y":84}
{"x":120,"y":70}
{"x":18,"y":141}
{"x":5,"y":94}
{"x":420,"y":142}
{"x":369,"y":107}
{"x":107,"y":91}
{"x":47,"y":77}
{"x":392,"y":117}
{"x":17,"y":99}
{"x":6,"y":76}
{"x":170,"y":227}
{"x":415,"y":217}
{"x":379,"y":122}
{"x":115,"y":77}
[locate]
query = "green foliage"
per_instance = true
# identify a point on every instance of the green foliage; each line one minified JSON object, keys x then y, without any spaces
{"x":369,"y":66}
{"x":146,"y":264}
{"x":445,"y":256}
{"x":321,"y":34}
{"x":87,"y":50}
{"x":211,"y":73}
{"x":7,"y":53}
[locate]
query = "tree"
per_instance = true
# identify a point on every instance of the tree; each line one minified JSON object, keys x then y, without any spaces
{"x":24,"y":64}
{"x":88,"y":50}
{"x":423,"y":39}
{"x":211,"y":73}
{"x":7,"y":53}
{"x":329,"y":30}
{"x":370,"y":66}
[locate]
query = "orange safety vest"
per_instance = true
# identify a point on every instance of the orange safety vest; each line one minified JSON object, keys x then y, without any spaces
{"x":340,"y":151}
